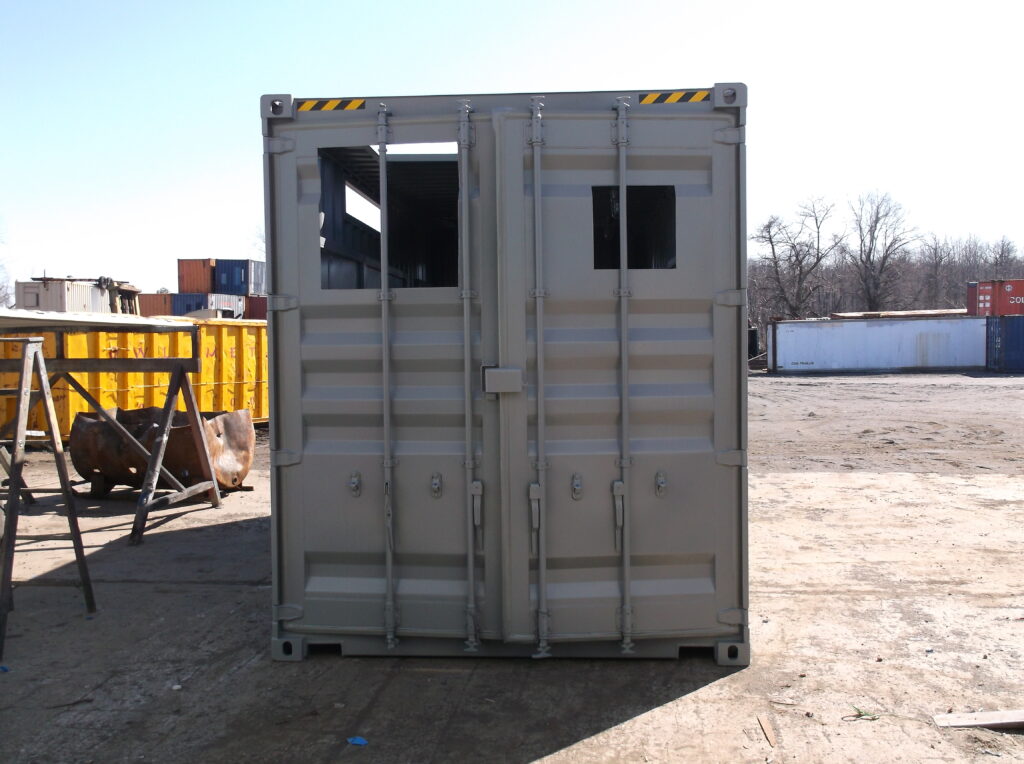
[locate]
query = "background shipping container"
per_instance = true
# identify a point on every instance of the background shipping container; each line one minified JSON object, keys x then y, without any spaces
{"x":245,"y":277}
{"x":996,"y":298}
{"x":156,"y":304}
{"x":1005,"y":346}
{"x":230,"y":305}
{"x":876,"y":344}
{"x":256,"y":307}
{"x":197,"y":275}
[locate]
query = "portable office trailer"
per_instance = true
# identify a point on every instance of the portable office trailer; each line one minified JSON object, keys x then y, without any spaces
{"x":876,"y":344}
{"x":61,"y":295}
{"x":524,"y":443}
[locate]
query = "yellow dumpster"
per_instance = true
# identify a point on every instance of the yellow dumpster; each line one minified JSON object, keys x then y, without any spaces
{"x":233,"y":356}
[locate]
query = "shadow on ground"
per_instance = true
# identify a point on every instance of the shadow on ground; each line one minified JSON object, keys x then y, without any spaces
{"x":175,"y":665}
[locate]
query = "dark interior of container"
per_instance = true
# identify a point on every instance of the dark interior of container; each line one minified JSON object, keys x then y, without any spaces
{"x":423,"y":201}
{"x":650,"y":226}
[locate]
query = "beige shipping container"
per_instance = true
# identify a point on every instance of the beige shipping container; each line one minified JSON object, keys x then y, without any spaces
{"x":61,"y":295}
{"x":233,"y":373}
{"x":509,"y":418}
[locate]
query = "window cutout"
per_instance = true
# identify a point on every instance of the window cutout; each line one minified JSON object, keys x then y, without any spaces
{"x":650,"y":229}
{"x":423,"y":206}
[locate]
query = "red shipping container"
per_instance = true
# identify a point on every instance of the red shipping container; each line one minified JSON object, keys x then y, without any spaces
{"x":996,"y":298}
{"x":155,"y":305}
{"x":256,"y":307}
{"x":197,"y":275}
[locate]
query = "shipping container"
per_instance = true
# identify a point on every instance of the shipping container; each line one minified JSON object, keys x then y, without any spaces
{"x":229,"y":305}
{"x":532,"y":440}
{"x":1004,"y":297}
{"x":197,"y":275}
{"x":156,"y":304}
{"x":233,"y":372}
{"x":256,"y":307}
{"x":61,"y":295}
{"x":1005,"y":344}
{"x":245,"y":277}
{"x":876,"y":344}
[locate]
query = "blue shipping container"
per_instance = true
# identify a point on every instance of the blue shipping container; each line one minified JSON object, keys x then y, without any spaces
{"x":1005,"y":343}
{"x":244,"y":277}
{"x":231,"y":306}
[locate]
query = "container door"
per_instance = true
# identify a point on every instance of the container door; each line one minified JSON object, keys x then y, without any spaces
{"x":674,"y":509}
{"x":372,"y":528}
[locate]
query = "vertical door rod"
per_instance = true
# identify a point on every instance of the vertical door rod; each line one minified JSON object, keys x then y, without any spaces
{"x":385,"y":296}
{"x":538,"y":491}
{"x":620,"y":489}
{"x":474,"y":489}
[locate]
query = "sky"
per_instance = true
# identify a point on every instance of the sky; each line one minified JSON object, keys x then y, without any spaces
{"x":130,"y":131}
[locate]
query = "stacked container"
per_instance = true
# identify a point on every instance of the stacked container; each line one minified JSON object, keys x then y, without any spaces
{"x":244,"y":277}
{"x":1002,"y":297}
{"x":196,"y":275}
{"x":230,"y":306}
{"x":156,"y":304}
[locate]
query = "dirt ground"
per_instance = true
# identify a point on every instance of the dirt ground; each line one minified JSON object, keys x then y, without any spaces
{"x":886,"y":578}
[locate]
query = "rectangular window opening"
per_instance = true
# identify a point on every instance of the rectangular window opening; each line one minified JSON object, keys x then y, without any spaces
{"x":650,"y":227}
{"x":423,"y":205}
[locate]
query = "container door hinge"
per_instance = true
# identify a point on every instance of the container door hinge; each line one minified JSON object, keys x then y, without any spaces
{"x":732,"y":458}
{"x":730,"y":136}
{"x":278,"y":302}
{"x":278,"y":145}
{"x":284,"y":458}
{"x":736,"y":616}
{"x":287,"y":612}
{"x":732,"y":298}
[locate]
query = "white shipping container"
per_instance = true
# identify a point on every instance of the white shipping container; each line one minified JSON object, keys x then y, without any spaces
{"x":876,"y":344}
{"x":61,"y":296}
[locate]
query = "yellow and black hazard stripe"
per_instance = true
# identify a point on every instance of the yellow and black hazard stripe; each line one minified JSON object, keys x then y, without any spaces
{"x":333,"y":104}
{"x":677,"y":96}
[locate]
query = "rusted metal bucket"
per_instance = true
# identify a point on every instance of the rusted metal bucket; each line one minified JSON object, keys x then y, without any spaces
{"x":101,"y":455}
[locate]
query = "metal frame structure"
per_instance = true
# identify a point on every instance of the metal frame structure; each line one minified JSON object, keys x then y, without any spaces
{"x":32,"y":362}
{"x":179,"y":369}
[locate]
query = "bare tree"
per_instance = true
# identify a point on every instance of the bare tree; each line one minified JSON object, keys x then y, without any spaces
{"x":881,"y":245}
{"x":1002,"y":258}
{"x":792,"y":255}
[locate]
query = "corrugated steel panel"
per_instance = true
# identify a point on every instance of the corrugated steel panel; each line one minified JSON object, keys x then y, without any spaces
{"x":244,"y":277}
{"x":197,"y":275}
{"x":877,"y":344}
{"x":647,"y":548}
{"x":1005,"y":346}
{"x":997,"y":298}
{"x":61,"y":296}
{"x":157,"y":304}
{"x":233,"y":374}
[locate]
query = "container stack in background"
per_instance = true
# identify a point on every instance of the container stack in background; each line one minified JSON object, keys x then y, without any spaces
{"x":1002,"y":303}
{"x":212,"y":288}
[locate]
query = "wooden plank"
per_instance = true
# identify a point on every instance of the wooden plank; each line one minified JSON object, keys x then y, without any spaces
{"x":199,"y":439}
{"x":766,"y":728}
{"x":156,"y":460}
{"x":174,"y":498}
{"x":158,"y":365}
{"x":995,"y":720}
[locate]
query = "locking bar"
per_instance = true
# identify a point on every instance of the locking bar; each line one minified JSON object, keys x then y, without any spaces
{"x":388,"y":463}
{"x":539,"y":293}
{"x":474,"y":489}
{"x":621,"y":486}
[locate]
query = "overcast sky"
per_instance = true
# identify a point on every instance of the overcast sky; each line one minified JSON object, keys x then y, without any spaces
{"x":130,"y":133}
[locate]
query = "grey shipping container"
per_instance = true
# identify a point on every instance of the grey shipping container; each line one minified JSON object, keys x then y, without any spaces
{"x":532,"y":440}
{"x":229,"y":305}
{"x":245,"y":277}
{"x":1004,"y":343}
